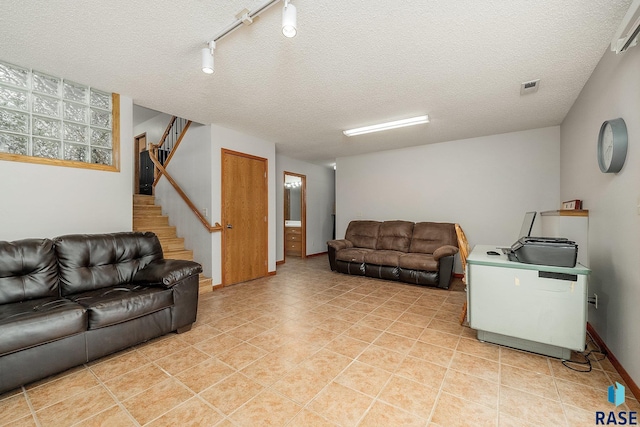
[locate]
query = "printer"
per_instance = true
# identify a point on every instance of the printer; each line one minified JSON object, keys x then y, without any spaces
{"x":554,"y":251}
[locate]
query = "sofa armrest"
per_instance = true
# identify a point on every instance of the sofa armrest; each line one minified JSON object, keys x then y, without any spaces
{"x":333,"y":246}
{"x":166,"y":272}
{"x":446,"y":250}
{"x":340,"y":244}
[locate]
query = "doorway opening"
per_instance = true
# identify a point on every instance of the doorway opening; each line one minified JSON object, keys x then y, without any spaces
{"x":143,"y":168}
{"x":295,"y":215}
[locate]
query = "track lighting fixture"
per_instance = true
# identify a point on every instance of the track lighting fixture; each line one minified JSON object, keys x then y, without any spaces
{"x":246,"y":17}
{"x":289,"y":20}
{"x":207,"y":58}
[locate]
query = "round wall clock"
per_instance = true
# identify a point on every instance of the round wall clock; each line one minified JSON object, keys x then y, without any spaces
{"x":612,"y":145}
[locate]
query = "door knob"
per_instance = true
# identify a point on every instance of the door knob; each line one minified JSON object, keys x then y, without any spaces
{"x":229,"y":226}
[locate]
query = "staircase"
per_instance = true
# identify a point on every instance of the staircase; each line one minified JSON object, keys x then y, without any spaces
{"x":147,"y":216}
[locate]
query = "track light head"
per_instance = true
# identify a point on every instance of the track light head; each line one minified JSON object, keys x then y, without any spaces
{"x":289,"y":20}
{"x":207,"y":58}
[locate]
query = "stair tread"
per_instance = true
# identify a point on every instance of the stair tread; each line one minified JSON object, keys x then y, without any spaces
{"x":181,"y":251}
{"x":205,"y":285}
{"x":147,"y":220}
{"x":161,"y":232}
{"x":155,"y":211}
{"x":143,"y":199}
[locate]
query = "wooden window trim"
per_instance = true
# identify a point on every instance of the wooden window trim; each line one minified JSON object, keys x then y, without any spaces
{"x":115,"y":142}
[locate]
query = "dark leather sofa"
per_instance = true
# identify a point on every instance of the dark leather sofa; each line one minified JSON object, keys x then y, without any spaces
{"x":76,"y":298}
{"x":420,"y":253}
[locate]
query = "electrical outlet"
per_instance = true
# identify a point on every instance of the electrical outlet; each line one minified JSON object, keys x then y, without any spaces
{"x":205,"y":211}
{"x":596,"y":298}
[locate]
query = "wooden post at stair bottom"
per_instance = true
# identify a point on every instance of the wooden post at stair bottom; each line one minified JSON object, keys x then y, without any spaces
{"x":463,"y":245}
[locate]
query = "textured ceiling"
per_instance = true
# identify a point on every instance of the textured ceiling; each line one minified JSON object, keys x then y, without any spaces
{"x":353,"y":63}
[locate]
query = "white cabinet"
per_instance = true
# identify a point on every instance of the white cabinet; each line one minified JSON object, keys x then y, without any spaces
{"x":531,"y":307}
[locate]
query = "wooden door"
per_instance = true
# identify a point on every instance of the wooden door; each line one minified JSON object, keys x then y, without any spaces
{"x":138,"y":147}
{"x":244,"y":215}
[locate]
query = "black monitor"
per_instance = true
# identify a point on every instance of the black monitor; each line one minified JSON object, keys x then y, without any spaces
{"x":527,"y":224}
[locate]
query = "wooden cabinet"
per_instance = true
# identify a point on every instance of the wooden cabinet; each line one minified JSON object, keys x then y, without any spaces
{"x":293,"y":241}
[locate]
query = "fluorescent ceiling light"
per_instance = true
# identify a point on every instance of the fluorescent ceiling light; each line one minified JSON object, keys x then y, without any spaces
{"x":386,"y":126}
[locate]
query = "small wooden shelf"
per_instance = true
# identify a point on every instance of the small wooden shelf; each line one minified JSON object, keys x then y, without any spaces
{"x":566,"y":212}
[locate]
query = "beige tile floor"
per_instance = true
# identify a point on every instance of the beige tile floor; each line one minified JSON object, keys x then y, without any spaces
{"x":309,"y":347}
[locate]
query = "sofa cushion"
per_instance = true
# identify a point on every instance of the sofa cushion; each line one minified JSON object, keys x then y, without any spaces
{"x":429,"y":236}
{"x":28,"y":270}
{"x":97,"y":261}
{"x":395,"y":236}
{"x":38,"y":321}
{"x":386,"y":258}
{"x":363,"y":234}
{"x":116,"y":304}
{"x":414,"y":261}
{"x":352,"y":254}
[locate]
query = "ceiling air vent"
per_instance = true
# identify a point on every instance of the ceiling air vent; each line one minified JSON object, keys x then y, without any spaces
{"x":529,"y":87}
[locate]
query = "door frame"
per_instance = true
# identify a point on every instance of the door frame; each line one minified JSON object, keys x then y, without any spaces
{"x":303,"y":216}
{"x":136,"y":160}
{"x":223,"y":152}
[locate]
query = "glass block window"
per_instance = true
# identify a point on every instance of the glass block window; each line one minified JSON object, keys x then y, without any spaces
{"x":52,"y":120}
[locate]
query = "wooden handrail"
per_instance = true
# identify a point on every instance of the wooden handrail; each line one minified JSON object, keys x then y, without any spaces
{"x":163,"y":171}
{"x":166,"y":131}
{"x":173,"y":150}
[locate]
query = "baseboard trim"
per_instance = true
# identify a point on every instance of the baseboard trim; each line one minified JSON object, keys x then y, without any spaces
{"x":633,"y":387}
{"x":318,"y":254}
{"x":271,"y":273}
{"x":280,"y":262}
{"x":218,"y":286}
{"x":458,"y":275}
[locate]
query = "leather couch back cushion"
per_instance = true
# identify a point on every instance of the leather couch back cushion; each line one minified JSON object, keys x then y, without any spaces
{"x":28,"y":270}
{"x":363,"y":234}
{"x":395,"y":236}
{"x":96,"y":261}
{"x":429,"y":236}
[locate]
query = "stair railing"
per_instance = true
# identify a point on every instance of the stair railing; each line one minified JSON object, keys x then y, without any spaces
{"x":162,"y":171}
{"x":171,"y":139}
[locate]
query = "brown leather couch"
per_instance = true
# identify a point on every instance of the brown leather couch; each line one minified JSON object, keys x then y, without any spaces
{"x":420,"y":253}
{"x":76,"y":298}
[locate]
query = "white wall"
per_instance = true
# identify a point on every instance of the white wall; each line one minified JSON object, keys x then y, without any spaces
{"x":154,"y":127}
{"x":190,"y":167}
{"x":48,"y":201}
{"x":320,"y":201}
{"x":485,"y":184}
{"x":612,"y":91}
